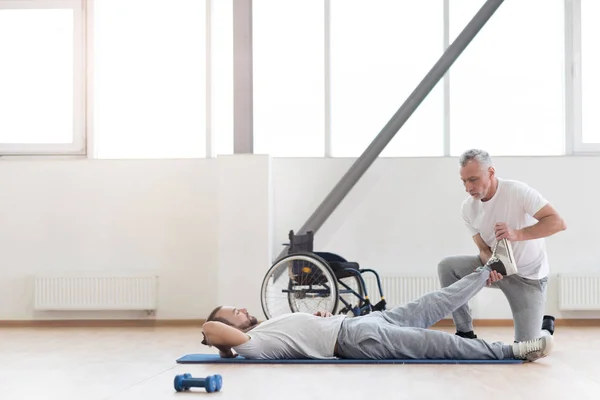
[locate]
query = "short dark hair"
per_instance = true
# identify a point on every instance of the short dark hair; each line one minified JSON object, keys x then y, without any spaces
{"x":211,"y":316}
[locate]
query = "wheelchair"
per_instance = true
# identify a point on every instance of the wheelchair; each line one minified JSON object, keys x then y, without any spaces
{"x":308,"y":281}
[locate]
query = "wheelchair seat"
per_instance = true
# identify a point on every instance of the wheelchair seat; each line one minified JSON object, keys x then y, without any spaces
{"x":339,"y":265}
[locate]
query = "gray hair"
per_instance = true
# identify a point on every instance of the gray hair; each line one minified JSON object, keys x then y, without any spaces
{"x":481,"y":156}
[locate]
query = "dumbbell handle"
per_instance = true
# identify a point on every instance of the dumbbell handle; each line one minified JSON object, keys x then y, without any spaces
{"x":194,"y":382}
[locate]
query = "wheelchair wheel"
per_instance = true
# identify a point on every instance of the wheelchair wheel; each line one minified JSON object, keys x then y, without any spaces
{"x":348,"y":299}
{"x":299,"y":282}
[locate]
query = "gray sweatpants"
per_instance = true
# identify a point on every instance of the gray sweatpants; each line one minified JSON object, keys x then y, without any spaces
{"x":526,"y":297}
{"x":402,"y":331}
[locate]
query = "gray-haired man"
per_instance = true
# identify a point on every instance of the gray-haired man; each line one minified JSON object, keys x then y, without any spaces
{"x":516,"y":218}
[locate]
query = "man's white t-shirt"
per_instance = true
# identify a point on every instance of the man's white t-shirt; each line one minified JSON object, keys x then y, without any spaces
{"x":514,"y":203}
{"x":293,"y":336}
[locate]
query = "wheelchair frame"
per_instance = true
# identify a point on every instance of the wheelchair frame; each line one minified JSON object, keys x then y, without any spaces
{"x":339,"y":268}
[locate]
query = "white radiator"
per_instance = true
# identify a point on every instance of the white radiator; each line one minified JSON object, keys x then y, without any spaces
{"x":96,"y":293}
{"x":399,"y":290}
{"x":579,"y":292}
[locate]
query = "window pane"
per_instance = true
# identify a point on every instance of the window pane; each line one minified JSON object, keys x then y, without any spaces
{"x":506,"y":89}
{"x":36,"y":76}
{"x":288,"y":77}
{"x":222,"y":76}
{"x":149,"y":78}
{"x":590,"y":65}
{"x":380,"y":51}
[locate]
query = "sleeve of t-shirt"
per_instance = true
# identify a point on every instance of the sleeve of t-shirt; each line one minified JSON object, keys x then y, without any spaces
{"x":532,"y":200}
{"x":252,"y":348}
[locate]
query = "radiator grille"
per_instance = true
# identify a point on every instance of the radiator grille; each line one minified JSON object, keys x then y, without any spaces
{"x":96,"y":293}
{"x":399,"y":290}
{"x":579,"y":292}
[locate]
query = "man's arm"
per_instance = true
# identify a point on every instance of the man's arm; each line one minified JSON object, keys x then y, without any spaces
{"x":485,"y":252}
{"x":223,"y":337}
{"x":549,"y":223}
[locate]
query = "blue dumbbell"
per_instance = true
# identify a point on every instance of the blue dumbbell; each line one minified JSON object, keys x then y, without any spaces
{"x":212,"y":383}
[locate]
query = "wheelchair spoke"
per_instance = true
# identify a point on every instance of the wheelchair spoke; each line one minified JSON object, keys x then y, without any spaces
{"x":299,"y":283}
{"x":310,"y":282}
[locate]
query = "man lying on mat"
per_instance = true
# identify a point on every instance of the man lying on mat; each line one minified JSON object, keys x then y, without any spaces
{"x":399,"y":333}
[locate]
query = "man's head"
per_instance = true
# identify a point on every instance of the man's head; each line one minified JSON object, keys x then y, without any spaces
{"x":478,"y":174}
{"x":236,"y":317}
{"x":232,"y":316}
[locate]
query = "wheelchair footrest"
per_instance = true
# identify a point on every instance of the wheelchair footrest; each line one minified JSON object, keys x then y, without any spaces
{"x":380,"y":306}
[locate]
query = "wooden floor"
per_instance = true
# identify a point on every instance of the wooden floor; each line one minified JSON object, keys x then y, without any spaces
{"x":139,"y":363}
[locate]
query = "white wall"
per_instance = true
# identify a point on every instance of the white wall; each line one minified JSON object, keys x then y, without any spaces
{"x":165,"y":216}
{"x":404,"y":215}
{"x":156,"y":216}
{"x":245,"y":228}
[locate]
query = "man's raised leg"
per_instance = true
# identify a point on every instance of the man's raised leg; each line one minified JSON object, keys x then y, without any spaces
{"x":432,"y":307}
{"x":450,"y":270}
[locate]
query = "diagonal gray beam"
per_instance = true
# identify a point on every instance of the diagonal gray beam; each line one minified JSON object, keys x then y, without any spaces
{"x":243,"y":122}
{"x":360,"y":166}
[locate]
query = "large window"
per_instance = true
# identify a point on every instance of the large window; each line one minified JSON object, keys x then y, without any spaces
{"x":221,"y":77}
{"x":154,"y":78}
{"x":506,"y":89}
{"x":149,"y":79}
{"x":41,"y":77}
{"x":590,"y":69}
{"x":288,"y":57}
{"x":380,"y":51}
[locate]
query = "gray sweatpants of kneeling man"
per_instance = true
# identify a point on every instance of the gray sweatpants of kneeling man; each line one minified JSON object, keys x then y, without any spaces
{"x":402,"y":332}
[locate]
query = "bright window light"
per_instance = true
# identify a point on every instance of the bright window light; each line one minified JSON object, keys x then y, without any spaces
{"x":149,"y":79}
{"x":506,"y":89}
{"x":288,"y":57}
{"x":590,"y":66}
{"x":380,"y":51}
{"x":37,"y":76}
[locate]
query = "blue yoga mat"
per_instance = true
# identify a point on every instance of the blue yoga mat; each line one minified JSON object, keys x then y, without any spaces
{"x":215,"y":359}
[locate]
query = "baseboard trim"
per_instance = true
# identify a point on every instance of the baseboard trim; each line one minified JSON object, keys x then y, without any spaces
{"x":197,"y":323}
{"x":577,"y":322}
{"x":101,"y":323}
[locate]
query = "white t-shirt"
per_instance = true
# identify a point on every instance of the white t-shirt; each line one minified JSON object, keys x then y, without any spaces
{"x":514,"y":203}
{"x":295,"y":335}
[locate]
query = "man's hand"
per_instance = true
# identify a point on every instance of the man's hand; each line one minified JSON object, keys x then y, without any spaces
{"x":504,"y":232}
{"x":494,"y":277}
{"x":323,"y":314}
{"x":227,"y":353}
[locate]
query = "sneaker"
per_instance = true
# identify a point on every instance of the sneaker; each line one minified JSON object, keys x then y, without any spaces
{"x":532,"y":350}
{"x":503,"y":260}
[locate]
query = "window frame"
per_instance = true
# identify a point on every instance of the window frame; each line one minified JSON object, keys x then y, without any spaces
{"x":78,"y":145}
{"x":82,"y":143}
{"x":574,"y":84}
